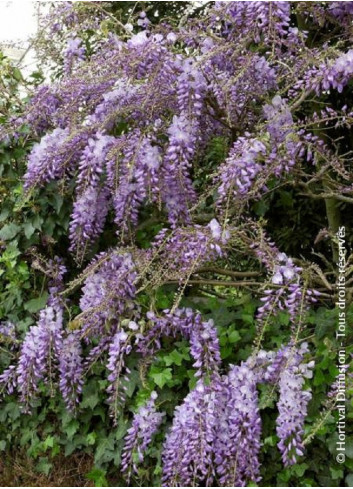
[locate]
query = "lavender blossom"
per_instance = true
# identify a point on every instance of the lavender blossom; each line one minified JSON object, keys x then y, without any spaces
{"x":120,"y":347}
{"x":74,"y":52}
{"x":108,"y":291}
{"x":292,"y":406}
{"x":237,"y":445}
{"x":187,"y":455}
{"x":144,"y":425}
{"x":71,"y":370}
{"x":42,"y":343}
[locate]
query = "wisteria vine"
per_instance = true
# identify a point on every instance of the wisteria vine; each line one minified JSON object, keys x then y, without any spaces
{"x":127,"y":125}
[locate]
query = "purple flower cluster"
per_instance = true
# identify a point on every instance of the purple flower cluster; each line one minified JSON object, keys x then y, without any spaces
{"x":187,"y":248}
{"x":187,"y":455}
{"x":120,"y":346}
{"x":41,"y":345}
{"x":258,"y":20}
{"x":145,"y":424}
{"x":87,"y":219}
{"x":204,"y":344}
{"x":178,"y":192}
{"x":7,"y":332}
{"x":108,"y":291}
{"x":241,"y":168}
{"x":331,"y":74}
{"x":133,"y":177}
{"x":216,"y":431}
{"x":292,"y":405}
{"x":74,"y":52}
{"x":238,"y":442}
{"x":71,"y":370}
{"x":341,"y":10}
{"x":290,"y":295}
{"x":44,"y":162}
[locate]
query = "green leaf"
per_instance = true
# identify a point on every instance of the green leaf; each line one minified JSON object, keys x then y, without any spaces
{"x":72,"y":428}
{"x":28,"y":229}
{"x":349,"y":480}
{"x":91,"y":438}
{"x":2,"y":445}
{"x":234,"y":337}
{"x":37,"y":221}
{"x":105,"y":450}
{"x":48,"y":442}
{"x":4,"y":214}
{"x":17,"y":74}
{"x":44,"y":466}
{"x":90,"y":395}
{"x":98,"y":477}
{"x":9,"y":231}
{"x":336,"y":473}
{"x":160,"y":378}
{"x":37,"y":304}
{"x":176,"y":358}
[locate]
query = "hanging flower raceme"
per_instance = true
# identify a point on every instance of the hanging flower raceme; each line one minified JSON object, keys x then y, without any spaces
{"x":237,"y":445}
{"x":204,"y":344}
{"x":120,"y":347}
{"x":180,"y":253}
{"x":108,"y":291}
{"x":71,"y":370}
{"x":292,"y":404}
{"x":133,"y":177}
{"x":42,"y":343}
{"x":238,"y":173}
{"x":178,"y":192}
{"x":145,"y":424}
{"x":187,"y":455}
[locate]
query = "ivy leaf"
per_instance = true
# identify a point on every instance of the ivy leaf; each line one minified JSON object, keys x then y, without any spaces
{"x":48,"y":442}
{"x":98,"y":477}
{"x":44,"y":466}
{"x":234,"y":337}
{"x":175,"y":358}
{"x":91,"y":438}
{"x":9,"y":231}
{"x":161,"y":377}
{"x":72,"y":428}
{"x":105,"y":450}
{"x":35,"y":305}
{"x":28,"y":229}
